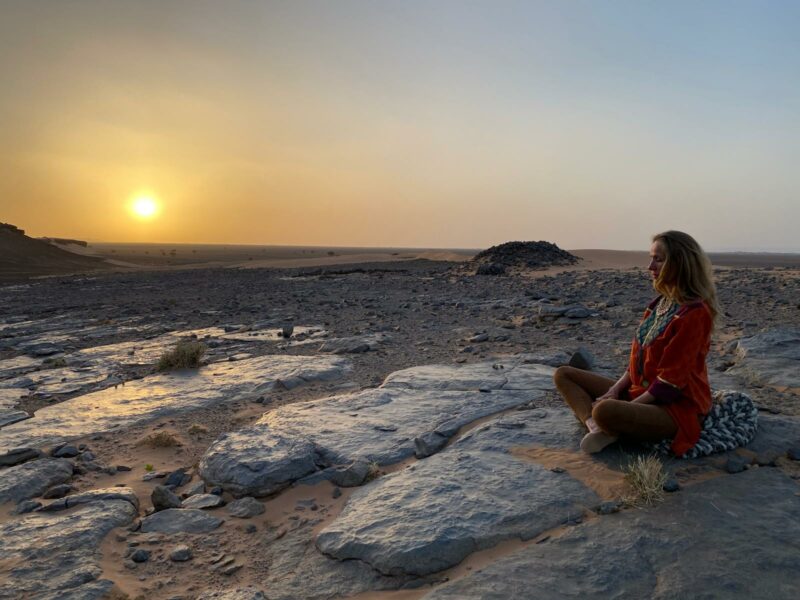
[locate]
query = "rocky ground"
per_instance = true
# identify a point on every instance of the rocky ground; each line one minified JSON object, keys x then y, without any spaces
{"x":403,"y":435}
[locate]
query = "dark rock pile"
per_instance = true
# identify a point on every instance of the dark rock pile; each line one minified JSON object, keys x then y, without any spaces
{"x":521,"y":255}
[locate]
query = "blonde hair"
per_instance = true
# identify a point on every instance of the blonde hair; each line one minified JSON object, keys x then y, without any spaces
{"x":686,"y":274}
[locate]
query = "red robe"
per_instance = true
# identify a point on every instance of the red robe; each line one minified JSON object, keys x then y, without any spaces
{"x":672,"y":367}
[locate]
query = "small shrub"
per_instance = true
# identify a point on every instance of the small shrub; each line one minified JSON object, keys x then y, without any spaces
{"x":55,"y":363}
{"x":374,"y":471}
{"x":197,"y":429}
{"x":646,"y":477}
{"x":148,"y":467}
{"x":185,"y":355}
{"x":162,"y":439}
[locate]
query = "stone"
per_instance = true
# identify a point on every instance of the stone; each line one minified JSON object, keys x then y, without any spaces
{"x":770,"y":358}
{"x":180,"y":553}
{"x":165,"y":394}
{"x":731,"y":537}
{"x":97,"y":495}
{"x":198,"y":487}
{"x":140,"y":555}
{"x":26,"y":506}
{"x":609,"y":507}
{"x":247,"y":593}
{"x":203,"y":501}
{"x":736,"y":463}
{"x":793,"y":453}
{"x":245,"y":508}
{"x":429,"y":517}
{"x":351,"y":475}
{"x":67,"y":451}
{"x":288,"y":443}
{"x":57,"y":491}
{"x":353,"y":345}
{"x":671,"y":485}
{"x":57,"y":555}
{"x":164,"y":498}
{"x":17,"y":456}
{"x":9,"y":416}
{"x":31,"y":479}
{"x":177,"y":478}
{"x":428,"y":443}
{"x":176,"y":520}
{"x":582,"y":359}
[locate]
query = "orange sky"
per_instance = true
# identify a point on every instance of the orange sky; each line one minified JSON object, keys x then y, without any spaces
{"x":401,"y":124}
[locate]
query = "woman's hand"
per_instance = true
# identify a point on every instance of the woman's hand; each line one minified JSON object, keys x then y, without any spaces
{"x":611,"y":394}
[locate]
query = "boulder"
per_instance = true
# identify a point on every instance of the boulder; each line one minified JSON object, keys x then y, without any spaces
{"x":177,"y":520}
{"x":31,"y":479}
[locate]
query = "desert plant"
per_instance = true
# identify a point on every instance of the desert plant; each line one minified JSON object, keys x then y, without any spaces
{"x":185,"y":355}
{"x":148,"y":467}
{"x":374,"y":471}
{"x":197,"y":429}
{"x":645,"y":476}
{"x":55,"y":363}
{"x":161,"y":439}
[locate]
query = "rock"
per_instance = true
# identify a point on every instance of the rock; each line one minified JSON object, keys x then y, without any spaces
{"x":793,"y":453}
{"x":582,"y":359}
{"x":286,"y":331}
{"x":245,"y":508}
{"x":9,"y":416}
{"x":31,"y":479}
{"x":116,"y":493}
{"x":140,"y":555}
{"x":165,"y":394}
{"x":771,"y":357}
{"x":430,"y":517}
{"x":709,"y":524}
{"x":180,"y":553}
{"x":524,"y":255}
{"x":577,"y":312}
{"x":57,"y":555}
{"x":288,"y":443}
{"x":163,"y":498}
{"x":491,"y":269}
{"x":177,"y":478}
{"x":671,"y":485}
{"x":428,"y":443}
{"x":203,"y":501}
{"x":66,"y":451}
{"x":175,"y":520}
{"x":609,"y":507}
{"x":57,"y":491}
{"x":354,"y":344}
{"x":17,"y":456}
{"x":198,"y":487}
{"x":26,"y":506}
{"x":736,"y":464}
{"x":352,"y":475}
{"x":248,"y":593}
{"x":478,"y":338}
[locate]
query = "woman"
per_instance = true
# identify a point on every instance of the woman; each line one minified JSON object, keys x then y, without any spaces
{"x":665,"y":392}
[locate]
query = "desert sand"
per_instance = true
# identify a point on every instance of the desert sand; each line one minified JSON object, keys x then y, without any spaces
{"x":401,"y":368}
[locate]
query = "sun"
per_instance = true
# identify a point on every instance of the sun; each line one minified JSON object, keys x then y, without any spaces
{"x":144,"y":206}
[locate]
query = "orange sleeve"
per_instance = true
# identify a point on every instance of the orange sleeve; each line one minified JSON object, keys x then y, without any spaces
{"x":688,"y":343}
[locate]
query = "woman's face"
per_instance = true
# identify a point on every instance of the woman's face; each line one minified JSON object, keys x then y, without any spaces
{"x":658,"y":255}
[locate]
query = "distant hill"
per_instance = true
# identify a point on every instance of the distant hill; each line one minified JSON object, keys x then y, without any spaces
{"x":22,"y":257}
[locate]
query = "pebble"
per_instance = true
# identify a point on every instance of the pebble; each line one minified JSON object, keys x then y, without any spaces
{"x":57,"y":491}
{"x":736,"y":464}
{"x":66,"y":452}
{"x":671,"y":485}
{"x":180,"y":553}
{"x":164,"y":498}
{"x":140,"y":555}
{"x":245,"y":508}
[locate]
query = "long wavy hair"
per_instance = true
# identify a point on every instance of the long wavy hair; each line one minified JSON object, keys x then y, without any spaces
{"x":686,"y":274}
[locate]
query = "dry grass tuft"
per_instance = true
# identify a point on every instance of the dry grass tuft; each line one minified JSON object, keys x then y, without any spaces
{"x":161,"y":439}
{"x":646,"y":477}
{"x":374,"y":471}
{"x":185,"y":355}
{"x":197,"y":429}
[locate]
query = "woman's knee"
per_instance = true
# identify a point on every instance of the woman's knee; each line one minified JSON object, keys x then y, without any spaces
{"x":605,"y":413}
{"x":562,"y":374}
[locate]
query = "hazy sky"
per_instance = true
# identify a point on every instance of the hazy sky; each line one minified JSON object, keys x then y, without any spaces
{"x":403,"y":123}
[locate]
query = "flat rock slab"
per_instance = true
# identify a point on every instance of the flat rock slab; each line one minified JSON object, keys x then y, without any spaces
{"x":166,"y":394}
{"x":32,"y":478}
{"x":177,"y":520}
{"x":771,"y":358}
{"x":354,"y":344}
{"x":19,"y":365}
{"x":432,"y":515}
{"x":56,"y":555}
{"x":9,"y":416}
{"x":379,"y":424}
{"x":730,"y":537}
{"x":246,"y":593}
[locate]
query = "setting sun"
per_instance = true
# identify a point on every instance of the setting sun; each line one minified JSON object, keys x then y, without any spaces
{"x":144,"y":207}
